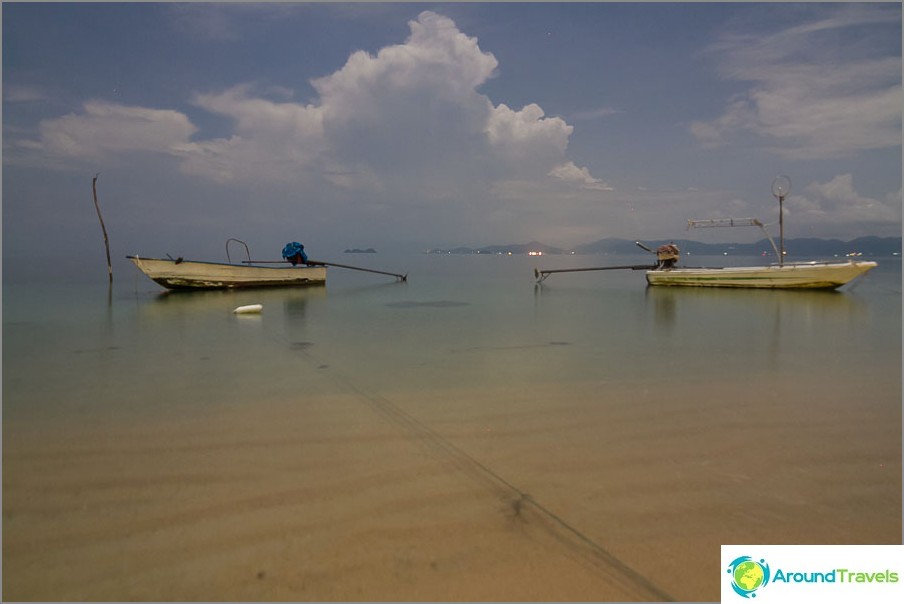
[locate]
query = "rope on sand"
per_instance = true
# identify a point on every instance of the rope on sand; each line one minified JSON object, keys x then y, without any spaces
{"x":623,"y":575}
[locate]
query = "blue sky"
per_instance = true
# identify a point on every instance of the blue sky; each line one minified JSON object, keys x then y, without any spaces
{"x":407,"y":125}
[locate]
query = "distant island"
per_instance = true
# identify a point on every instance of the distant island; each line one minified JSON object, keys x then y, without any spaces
{"x":369,"y":250}
{"x":799,"y":248}
{"x":533,"y":248}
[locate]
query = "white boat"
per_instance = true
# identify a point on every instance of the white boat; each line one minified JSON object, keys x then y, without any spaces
{"x":797,"y":275}
{"x":783,"y":275}
{"x":190,"y":274}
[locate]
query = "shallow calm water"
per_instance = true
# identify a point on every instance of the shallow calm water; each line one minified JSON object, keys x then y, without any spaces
{"x":465,"y":435}
{"x":73,"y":344}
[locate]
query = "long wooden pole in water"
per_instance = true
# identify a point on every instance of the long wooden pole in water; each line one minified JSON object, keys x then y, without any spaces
{"x":321,"y":263}
{"x":102,"y":227}
{"x":358,"y":268}
{"x":542,"y":275}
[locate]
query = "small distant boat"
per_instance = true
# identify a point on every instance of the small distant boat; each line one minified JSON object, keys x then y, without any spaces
{"x":180,"y":274}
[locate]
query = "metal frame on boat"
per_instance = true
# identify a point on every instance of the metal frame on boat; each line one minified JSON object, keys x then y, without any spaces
{"x":795,"y":275}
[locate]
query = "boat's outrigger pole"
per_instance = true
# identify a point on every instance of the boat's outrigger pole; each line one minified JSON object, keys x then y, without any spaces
{"x":666,"y":256}
{"x":303,"y":259}
{"x":542,"y":275}
{"x":398,"y":276}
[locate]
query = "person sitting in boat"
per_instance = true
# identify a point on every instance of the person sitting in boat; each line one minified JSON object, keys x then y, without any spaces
{"x":294,"y":253}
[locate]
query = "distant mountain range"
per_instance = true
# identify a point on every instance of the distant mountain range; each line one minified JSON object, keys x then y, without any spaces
{"x":867,"y":246}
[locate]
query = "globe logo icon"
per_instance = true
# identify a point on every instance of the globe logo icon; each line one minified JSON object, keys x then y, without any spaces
{"x":748,"y":575}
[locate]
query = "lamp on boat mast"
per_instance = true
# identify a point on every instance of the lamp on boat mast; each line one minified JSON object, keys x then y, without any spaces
{"x":781,"y":186}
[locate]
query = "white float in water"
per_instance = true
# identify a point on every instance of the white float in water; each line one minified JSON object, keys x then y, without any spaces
{"x":250,"y":309}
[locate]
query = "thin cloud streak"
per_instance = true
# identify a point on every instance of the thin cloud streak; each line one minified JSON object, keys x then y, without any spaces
{"x":223,"y":22}
{"x":808,"y":100}
{"x":595,"y":114}
{"x":24,"y":94}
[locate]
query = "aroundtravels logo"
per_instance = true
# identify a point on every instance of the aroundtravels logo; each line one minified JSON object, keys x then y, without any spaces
{"x":796,"y":573}
{"x":748,"y":575}
{"x":817,"y":573}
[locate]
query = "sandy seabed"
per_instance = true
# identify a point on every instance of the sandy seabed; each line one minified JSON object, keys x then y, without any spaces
{"x":535,"y":492}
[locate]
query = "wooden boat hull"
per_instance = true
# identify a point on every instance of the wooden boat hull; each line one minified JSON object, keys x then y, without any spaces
{"x":804,"y":275}
{"x":189,"y":274}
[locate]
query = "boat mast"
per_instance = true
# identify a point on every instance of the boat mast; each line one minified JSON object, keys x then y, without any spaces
{"x":781,"y":186}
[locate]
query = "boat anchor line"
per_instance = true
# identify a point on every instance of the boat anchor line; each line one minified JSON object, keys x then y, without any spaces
{"x":570,"y":537}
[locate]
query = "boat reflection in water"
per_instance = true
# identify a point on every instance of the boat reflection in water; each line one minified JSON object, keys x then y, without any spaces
{"x":748,"y":305}
{"x":768,"y":328}
{"x":174,"y":305}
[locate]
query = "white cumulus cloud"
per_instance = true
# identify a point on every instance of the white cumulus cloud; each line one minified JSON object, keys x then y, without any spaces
{"x":105,"y":128}
{"x":271,"y":140}
{"x":406,"y":120}
{"x":836,"y":206}
{"x":569,"y":172}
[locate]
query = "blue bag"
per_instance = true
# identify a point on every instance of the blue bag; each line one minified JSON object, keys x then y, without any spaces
{"x":294,"y":253}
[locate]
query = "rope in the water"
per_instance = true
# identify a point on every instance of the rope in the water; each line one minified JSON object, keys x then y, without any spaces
{"x":629,"y":579}
{"x":469,"y":464}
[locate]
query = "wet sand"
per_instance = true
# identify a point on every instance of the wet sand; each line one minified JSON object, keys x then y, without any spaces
{"x":538,"y":492}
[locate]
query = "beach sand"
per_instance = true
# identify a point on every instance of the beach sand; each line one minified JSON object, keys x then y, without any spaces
{"x":536,"y":492}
